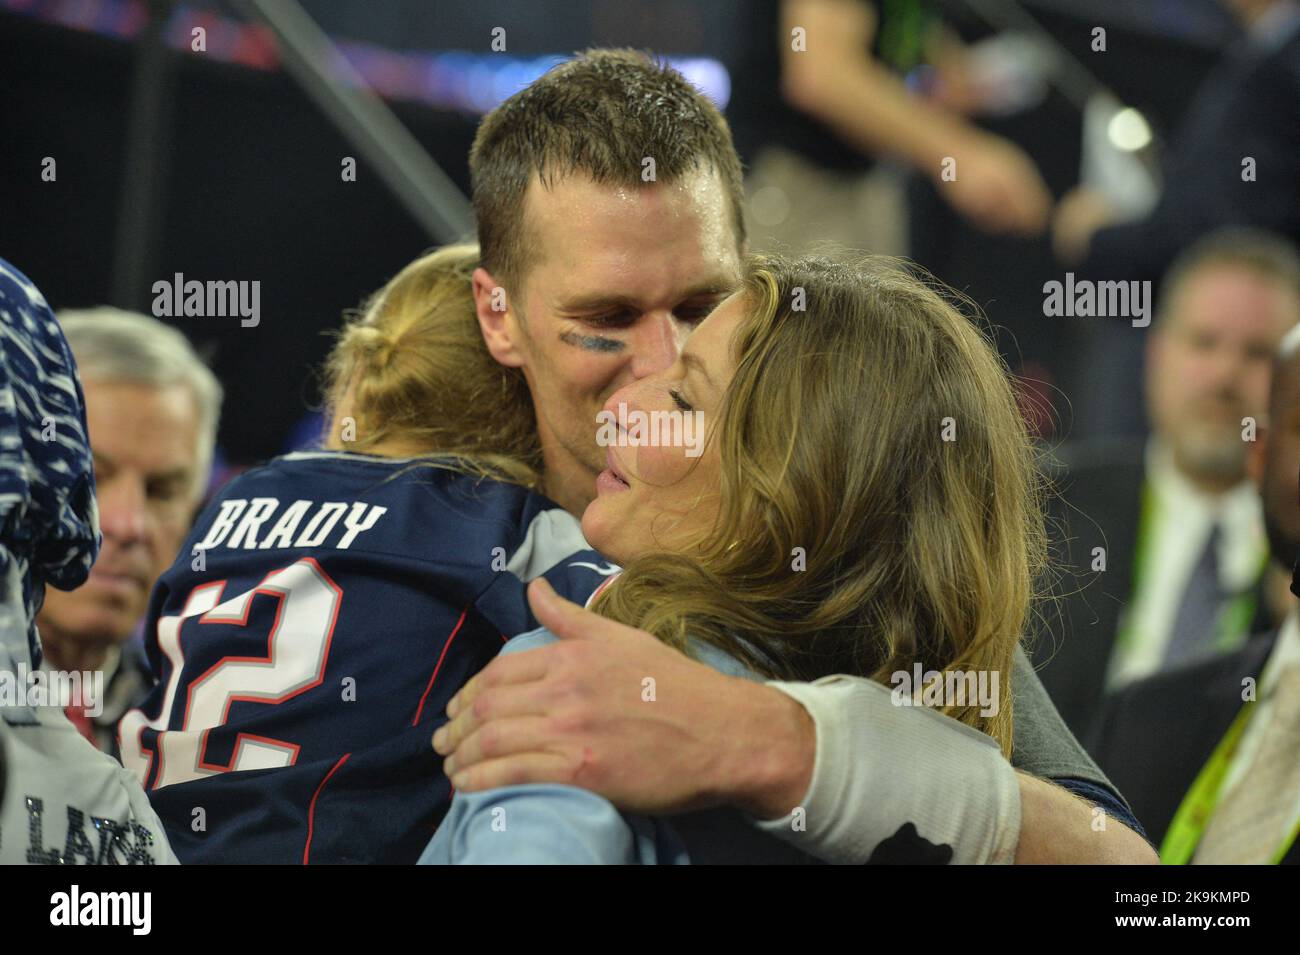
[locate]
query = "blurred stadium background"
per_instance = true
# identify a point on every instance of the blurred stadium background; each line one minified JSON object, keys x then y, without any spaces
{"x":219,"y":165}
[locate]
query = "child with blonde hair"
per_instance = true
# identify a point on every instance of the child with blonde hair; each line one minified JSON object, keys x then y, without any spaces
{"x":327,"y":605}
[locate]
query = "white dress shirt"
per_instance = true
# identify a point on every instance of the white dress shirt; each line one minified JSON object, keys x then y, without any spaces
{"x":1175,"y":533}
{"x":1285,"y":651}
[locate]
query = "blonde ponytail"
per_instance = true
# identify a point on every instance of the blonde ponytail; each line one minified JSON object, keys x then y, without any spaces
{"x":412,"y":371}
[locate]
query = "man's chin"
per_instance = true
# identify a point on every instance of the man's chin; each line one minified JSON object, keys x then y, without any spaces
{"x":85,"y":619}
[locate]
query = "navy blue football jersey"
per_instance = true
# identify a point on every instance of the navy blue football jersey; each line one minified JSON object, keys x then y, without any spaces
{"x":307,"y":640}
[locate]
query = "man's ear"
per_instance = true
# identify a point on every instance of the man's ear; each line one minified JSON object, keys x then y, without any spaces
{"x":497,"y":320}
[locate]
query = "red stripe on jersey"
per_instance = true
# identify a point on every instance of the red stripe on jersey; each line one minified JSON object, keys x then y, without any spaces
{"x":603,"y":584}
{"x":311,"y":810}
{"x":433,"y":679}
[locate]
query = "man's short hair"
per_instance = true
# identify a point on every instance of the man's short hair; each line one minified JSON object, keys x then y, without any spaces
{"x":1265,"y":253}
{"x":111,"y":345}
{"x":601,"y":114}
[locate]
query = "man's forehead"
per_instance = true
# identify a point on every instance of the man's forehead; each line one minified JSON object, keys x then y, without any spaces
{"x":703,"y":188}
{"x":593,"y":237}
{"x":119,"y":412}
{"x":1230,"y":284}
{"x":131,"y":395}
{"x":1235,"y":302}
{"x":610,"y":281}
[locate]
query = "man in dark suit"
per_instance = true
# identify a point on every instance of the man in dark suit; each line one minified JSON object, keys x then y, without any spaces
{"x":1209,"y":754}
{"x":1161,"y":545}
{"x":1234,"y":161}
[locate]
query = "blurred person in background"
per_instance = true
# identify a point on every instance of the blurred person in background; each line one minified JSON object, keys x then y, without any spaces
{"x":1177,"y":516}
{"x":152,"y":407}
{"x":819,"y":97}
{"x":1235,"y":160}
{"x":64,"y":801}
{"x":1210,"y":754}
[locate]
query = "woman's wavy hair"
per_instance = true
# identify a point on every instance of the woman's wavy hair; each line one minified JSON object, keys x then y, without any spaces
{"x":413,"y":368}
{"x":880,"y":504}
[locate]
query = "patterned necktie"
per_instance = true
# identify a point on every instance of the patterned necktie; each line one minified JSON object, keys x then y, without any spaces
{"x":1198,"y":612}
{"x":1256,"y":816}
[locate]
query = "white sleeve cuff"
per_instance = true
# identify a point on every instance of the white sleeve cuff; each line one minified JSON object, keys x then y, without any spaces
{"x":880,"y":766}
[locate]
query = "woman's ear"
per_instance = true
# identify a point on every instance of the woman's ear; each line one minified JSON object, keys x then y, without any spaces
{"x":497,"y":320}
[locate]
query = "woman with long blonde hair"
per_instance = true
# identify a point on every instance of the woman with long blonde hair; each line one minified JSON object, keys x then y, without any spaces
{"x":866,"y":503}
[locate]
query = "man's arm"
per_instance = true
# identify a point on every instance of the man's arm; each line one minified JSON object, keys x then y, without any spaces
{"x":1045,"y":748}
{"x":576,"y":713}
{"x":837,"y":82}
{"x":1055,"y":825}
{"x":1058,"y":827}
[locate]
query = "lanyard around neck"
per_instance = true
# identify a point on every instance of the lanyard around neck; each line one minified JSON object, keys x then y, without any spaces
{"x":1198,"y":805}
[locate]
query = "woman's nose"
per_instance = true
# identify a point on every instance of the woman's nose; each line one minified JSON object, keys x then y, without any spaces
{"x":627,"y":397}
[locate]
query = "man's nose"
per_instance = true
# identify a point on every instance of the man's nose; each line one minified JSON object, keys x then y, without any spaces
{"x":1225,"y":369}
{"x":122,"y":515}
{"x":655,"y":344}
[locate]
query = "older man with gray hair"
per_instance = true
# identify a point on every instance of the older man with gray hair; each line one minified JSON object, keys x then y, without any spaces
{"x":152,"y":408}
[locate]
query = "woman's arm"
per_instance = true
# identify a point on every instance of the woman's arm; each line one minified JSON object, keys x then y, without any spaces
{"x":532,"y":825}
{"x":544,"y":824}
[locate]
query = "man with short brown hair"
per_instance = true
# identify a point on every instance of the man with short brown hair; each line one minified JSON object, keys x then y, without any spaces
{"x":617,"y":230}
{"x":609,"y":207}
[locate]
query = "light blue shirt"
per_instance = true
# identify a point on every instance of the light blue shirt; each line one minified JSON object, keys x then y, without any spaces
{"x":551,"y":824}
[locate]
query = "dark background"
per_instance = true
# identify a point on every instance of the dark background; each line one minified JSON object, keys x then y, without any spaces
{"x":248,"y":183}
